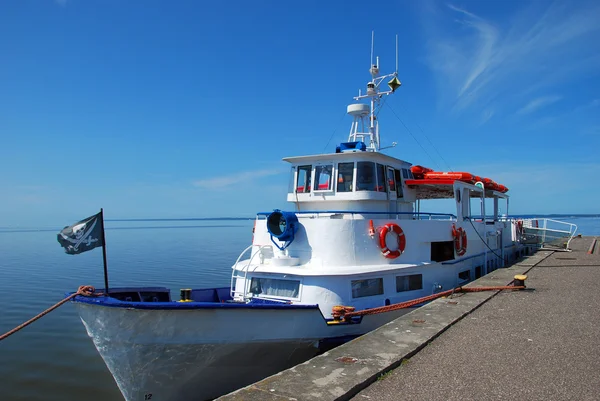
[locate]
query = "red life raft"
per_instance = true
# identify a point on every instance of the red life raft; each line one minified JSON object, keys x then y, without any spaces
{"x":421,"y":174}
{"x":460,"y":176}
{"x":419,"y":171}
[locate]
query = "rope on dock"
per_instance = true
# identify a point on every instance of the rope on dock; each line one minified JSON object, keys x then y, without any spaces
{"x":84,"y":290}
{"x":344,"y":313}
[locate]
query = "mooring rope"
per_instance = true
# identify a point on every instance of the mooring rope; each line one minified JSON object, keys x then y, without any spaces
{"x":84,"y":290}
{"x":342,"y":313}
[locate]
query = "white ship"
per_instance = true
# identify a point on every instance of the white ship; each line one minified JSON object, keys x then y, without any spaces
{"x":354,"y":235}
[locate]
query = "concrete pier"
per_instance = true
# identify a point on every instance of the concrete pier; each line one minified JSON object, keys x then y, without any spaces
{"x":540,"y":343}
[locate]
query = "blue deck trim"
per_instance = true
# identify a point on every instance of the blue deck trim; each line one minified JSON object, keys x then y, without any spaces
{"x":174,"y":305}
{"x":115,"y":303}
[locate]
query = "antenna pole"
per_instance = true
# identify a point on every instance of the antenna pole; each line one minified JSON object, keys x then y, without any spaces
{"x":396,"y":53}
{"x":374,"y":94}
{"x":373,"y":75}
{"x":372,"y":45}
{"x":372,"y":127}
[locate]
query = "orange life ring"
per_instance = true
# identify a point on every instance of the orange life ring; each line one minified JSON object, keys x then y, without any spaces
{"x":401,"y":241}
{"x":460,"y":240}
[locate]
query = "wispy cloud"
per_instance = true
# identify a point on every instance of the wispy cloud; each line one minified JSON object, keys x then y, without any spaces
{"x":226,"y":181}
{"x":584,"y":107}
{"x":479,"y":62}
{"x":486,"y":115}
{"x":538,"y":103}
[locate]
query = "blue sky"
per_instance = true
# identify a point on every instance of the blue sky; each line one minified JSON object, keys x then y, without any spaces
{"x":185,"y":108}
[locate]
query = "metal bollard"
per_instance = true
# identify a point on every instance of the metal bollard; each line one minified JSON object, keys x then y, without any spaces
{"x":519,"y":280}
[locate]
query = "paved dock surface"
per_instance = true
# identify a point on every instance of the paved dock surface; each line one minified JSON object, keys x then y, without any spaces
{"x":539,"y":344}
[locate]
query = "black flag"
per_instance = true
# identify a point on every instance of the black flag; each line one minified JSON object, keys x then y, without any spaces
{"x":82,"y":236}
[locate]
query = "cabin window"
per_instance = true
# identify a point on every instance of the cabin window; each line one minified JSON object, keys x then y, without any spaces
{"x":391,"y":179}
{"x":345,"y":177}
{"x":323,"y":178}
{"x":409,"y":283}
{"x":405,"y":173}
{"x":476,"y":207}
{"x":478,"y":270}
{"x":441,"y":251}
{"x":365,"y":176}
{"x":381,"y":178}
{"x":367,"y":288}
{"x":291,"y":182}
{"x":464,"y":275}
{"x":303,"y":184}
{"x":490,"y":211}
{"x":398,"y":183}
{"x":275,"y":287}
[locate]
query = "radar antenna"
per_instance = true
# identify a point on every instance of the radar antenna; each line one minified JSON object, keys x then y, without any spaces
{"x":360,"y":111}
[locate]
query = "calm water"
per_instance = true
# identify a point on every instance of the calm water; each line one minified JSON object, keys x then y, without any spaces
{"x":53,"y":359}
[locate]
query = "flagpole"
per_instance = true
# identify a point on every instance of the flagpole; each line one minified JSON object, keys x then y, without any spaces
{"x":104,"y":250}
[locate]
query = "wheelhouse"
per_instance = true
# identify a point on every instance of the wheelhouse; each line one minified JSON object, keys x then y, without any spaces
{"x":355,"y":181}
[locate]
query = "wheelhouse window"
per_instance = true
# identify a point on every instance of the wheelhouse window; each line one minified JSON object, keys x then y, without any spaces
{"x":303,"y":183}
{"x":391,"y":179}
{"x":409,"y":283}
{"x":367,"y":288}
{"x":365,"y":176}
{"x":275,"y":287}
{"x":323,"y":178}
{"x":398,"y":184}
{"x":345,"y":177}
{"x":291,"y":182}
{"x":381,"y":178}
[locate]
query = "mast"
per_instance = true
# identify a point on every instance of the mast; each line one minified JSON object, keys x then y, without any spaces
{"x":361,"y":111}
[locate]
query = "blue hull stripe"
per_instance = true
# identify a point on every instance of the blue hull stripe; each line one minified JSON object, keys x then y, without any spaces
{"x":116,"y":303}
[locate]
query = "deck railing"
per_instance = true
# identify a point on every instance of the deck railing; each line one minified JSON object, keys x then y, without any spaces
{"x":548,"y":232}
{"x":355,"y":213}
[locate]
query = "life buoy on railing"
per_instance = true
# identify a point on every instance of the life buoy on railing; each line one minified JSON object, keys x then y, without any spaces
{"x":401,"y":241}
{"x":460,"y":240}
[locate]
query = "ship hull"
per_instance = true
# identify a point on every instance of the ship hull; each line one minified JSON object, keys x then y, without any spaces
{"x":199,"y":354}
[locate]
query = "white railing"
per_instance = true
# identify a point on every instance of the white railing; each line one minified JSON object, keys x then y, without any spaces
{"x":548,"y":232}
{"x":234,"y":276}
{"x":328,"y":214}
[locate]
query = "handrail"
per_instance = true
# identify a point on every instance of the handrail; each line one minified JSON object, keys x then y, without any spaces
{"x":363,"y":212}
{"x":244,"y":270}
{"x":231,"y":290}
